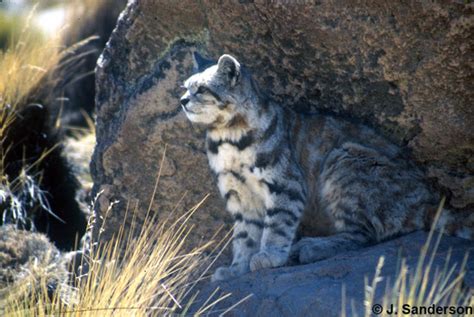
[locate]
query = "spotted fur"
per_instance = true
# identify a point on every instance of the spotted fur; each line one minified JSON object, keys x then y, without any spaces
{"x":273,"y":165}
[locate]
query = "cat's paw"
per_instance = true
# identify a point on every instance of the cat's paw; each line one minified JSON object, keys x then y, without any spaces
{"x":224,"y":273}
{"x":267,"y":259}
{"x":309,"y":250}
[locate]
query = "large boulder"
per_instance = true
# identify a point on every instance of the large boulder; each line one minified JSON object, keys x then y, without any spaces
{"x":403,"y":68}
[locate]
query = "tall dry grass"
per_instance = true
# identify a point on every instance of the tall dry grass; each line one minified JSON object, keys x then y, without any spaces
{"x":25,"y":65}
{"x":146,"y":275}
{"x":140,"y":271}
{"x":33,"y":68}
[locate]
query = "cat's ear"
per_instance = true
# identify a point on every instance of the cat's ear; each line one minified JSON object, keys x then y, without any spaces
{"x":201,"y":63}
{"x":229,"y":68}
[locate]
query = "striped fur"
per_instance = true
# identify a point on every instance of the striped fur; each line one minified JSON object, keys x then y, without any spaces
{"x":273,"y":165}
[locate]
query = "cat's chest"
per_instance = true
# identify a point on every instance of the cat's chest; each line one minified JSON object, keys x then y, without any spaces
{"x":235,"y":175}
{"x":230,"y":158}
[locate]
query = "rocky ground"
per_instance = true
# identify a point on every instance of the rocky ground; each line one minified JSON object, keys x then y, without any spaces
{"x":316,"y":289}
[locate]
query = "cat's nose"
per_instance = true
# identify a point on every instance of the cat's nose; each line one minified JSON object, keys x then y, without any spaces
{"x":184,"y":101}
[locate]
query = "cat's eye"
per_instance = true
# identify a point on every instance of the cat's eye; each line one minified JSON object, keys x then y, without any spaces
{"x":201,"y":90}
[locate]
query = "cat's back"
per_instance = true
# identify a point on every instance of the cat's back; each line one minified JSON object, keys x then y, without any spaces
{"x":314,"y":137}
{"x":352,"y":173}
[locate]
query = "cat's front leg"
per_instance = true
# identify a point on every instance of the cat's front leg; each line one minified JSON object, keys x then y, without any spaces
{"x":280,"y":226}
{"x":245,"y":243}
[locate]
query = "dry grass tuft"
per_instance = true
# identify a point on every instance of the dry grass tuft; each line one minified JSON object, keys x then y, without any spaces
{"x":130,"y":275}
{"x":29,"y":260}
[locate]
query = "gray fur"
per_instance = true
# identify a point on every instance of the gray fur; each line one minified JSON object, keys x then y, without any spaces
{"x":273,"y":166}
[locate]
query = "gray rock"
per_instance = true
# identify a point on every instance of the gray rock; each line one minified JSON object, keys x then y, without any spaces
{"x":402,"y":68}
{"x":316,"y":289}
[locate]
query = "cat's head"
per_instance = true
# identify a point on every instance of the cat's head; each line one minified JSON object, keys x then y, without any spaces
{"x":218,"y":93}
